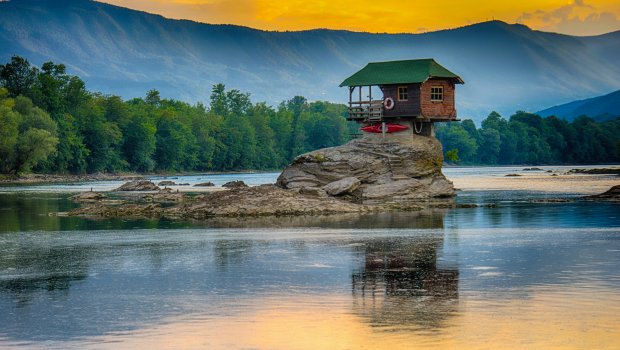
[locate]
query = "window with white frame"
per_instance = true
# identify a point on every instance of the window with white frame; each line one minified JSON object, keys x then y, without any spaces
{"x":402,"y":93}
{"x":437,"y":93}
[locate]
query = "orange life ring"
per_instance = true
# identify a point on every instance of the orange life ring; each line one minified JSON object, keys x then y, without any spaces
{"x":388,"y":103}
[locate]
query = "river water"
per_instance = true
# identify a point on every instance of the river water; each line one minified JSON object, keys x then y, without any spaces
{"x":516,"y":275}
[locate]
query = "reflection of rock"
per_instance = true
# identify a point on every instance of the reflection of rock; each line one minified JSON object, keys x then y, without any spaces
{"x":387,"y":171}
{"x":48,"y":268}
{"x":612,"y":195}
{"x":139,"y":185}
{"x":423,"y":219}
{"x":401,"y":285}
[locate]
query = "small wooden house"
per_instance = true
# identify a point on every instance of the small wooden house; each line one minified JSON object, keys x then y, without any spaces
{"x":416,"y":93}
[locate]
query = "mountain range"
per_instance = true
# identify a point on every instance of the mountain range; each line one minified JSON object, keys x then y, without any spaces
{"x":600,"y":108}
{"x":506,"y":67}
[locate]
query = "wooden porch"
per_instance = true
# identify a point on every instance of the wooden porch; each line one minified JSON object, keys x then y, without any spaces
{"x":367,"y":110}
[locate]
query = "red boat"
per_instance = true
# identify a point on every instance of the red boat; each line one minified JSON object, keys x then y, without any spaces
{"x":389,"y":127}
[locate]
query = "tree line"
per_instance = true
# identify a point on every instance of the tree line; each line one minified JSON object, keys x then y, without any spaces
{"x":50,"y":123}
{"x":527,"y":138}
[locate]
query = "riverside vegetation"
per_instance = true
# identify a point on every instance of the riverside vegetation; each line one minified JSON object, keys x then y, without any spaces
{"x":50,"y":123}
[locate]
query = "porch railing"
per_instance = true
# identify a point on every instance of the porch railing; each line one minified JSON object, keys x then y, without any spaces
{"x":366,"y":110}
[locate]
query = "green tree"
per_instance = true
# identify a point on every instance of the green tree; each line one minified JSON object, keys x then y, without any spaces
{"x":17,"y":76}
{"x":152,"y":98}
{"x":28,"y":136}
{"x":296,"y":105}
{"x":453,"y":155}
{"x":490,"y":145}
{"x":139,"y":143}
{"x":9,"y":133}
{"x":33,"y":146}
{"x":219,"y":104}
{"x":454,"y":136}
{"x":171,"y":143}
{"x":102,"y":138}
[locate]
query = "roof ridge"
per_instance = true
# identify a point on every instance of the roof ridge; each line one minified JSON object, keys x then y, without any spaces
{"x":409,"y":60}
{"x":400,"y":71}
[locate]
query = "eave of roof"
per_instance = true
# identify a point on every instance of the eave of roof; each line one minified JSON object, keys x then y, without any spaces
{"x":399,"y":72}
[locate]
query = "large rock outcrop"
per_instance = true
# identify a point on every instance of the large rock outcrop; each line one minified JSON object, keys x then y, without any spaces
{"x":387,"y":170}
{"x":365,"y":175}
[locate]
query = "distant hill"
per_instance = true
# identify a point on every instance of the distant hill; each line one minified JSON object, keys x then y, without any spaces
{"x":599,"y":108}
{"x":126,"y":52}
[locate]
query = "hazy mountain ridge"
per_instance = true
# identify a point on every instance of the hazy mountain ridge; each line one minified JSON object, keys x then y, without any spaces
{"x":599,"y":108}
{"x":126,"y":52}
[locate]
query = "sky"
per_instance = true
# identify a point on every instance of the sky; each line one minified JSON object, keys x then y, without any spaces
{"x":574,"y":17}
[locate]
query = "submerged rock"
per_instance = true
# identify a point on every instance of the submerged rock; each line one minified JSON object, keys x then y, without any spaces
{"x":613,"y":195}
{"x":140,"y":185}
{"x":235,"y":184}
{"x":166,"y":183}
{"x":165,"y":195}
{"x":88,"y":197}
{"x":387,"y":171}
{"x":596,"y":171}
{"x":205,"y":184}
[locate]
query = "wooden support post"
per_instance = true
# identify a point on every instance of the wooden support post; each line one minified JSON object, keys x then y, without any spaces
{"x":383,"y":129}
{"x":351,"y":96}
{"x":360,"y":93}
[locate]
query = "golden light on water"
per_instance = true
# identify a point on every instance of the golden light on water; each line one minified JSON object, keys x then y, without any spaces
{"x":545,"y":317}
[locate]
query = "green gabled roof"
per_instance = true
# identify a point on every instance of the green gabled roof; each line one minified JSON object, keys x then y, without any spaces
{"x":399,"y":72}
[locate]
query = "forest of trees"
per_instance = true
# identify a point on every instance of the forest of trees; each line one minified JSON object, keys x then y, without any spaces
{"x":527,"y":138}
{"x":50,"y":123}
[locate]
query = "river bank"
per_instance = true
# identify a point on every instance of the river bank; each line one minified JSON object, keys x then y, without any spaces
{"x":571,"y":173}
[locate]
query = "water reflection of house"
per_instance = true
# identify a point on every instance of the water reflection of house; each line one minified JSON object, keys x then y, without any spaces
{"x":399,"y":284}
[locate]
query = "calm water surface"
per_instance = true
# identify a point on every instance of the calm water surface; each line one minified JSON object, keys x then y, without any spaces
{"x":520,"y":275}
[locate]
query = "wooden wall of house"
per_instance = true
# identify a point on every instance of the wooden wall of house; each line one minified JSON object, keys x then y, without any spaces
{"x":435,"y":109}
{"x":419,"y":102}
{"x":409,"y":108}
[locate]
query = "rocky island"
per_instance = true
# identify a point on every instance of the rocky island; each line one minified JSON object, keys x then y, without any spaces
{"x":367,"y":174}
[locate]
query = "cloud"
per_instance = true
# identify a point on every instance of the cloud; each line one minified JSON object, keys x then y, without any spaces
{"x":575,"y":18}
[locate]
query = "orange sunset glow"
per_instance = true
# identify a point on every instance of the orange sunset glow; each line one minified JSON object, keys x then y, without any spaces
{"x":282,"y":324}
{"x":578,"y":17}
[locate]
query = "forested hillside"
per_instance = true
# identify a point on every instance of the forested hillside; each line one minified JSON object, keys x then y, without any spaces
{"x":506,"y":67}
{"x":527,"y":138}
{"x":49,"y":122}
